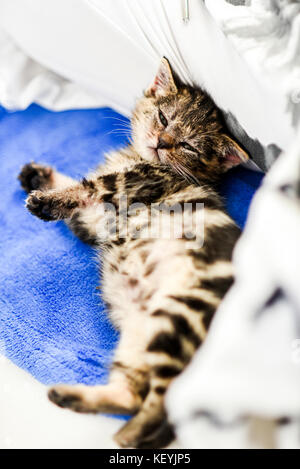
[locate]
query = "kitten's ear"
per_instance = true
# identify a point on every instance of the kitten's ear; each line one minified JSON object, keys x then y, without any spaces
{"x":233,"y":154}
{"x":164,"y":82}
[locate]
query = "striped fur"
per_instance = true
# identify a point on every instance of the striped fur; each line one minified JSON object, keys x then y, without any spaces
{"x":161,"y":293}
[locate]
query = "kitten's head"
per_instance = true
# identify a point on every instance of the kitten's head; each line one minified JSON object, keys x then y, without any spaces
{"x":180,"y":126}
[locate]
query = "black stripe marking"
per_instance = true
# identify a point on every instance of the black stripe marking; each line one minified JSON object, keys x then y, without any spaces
{"x":131,"y":178}
{"x":160,"y":390}
{"x":166,"y":371}
{"x":181,"y":326}
{"x":218,"y":285}
{"x":219,"y":242}
{"x":207,"y":318}
{"x":88,"y":184}
{"x":148,"y":193}
{"x":196,"y":304}
{"x":108,"y":197}
{"x":168,"y":343}
{"x":109,"y":181}
{"x":117,"y":242}
{"x":81,"y":230}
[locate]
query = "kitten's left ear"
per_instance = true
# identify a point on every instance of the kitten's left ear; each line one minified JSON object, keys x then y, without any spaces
{"x":164,"y":82}
{"x":233,"y":154}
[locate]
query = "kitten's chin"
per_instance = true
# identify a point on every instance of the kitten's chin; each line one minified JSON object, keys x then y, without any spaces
{"x":158,"y":155}
{"x":162,"y":157}
{"x":150,"y":154}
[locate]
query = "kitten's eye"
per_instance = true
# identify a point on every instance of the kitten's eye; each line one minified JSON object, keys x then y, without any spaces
{"x":162,"y":119}
{"x":188,"y":147}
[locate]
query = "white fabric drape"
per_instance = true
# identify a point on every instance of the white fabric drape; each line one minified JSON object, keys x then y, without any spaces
{"x":111,"y":50}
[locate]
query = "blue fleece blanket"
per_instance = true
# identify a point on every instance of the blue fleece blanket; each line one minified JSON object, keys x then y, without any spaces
{"x":52,"y":321}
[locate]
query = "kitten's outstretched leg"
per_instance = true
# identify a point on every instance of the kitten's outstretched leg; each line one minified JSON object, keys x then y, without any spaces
{"x":113,"y":398}
{"x":54,"y":204}
{"x":62,"y":198}
{"x":144,"y":365}
{"x":174,"y":332}
{"x":126,"y":388}
{"x":149,"y":428}
{"x":35,"y":176}
{"x":142,"y":371}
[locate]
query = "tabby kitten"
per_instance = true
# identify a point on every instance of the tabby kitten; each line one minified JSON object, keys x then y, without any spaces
{"x":161,"y":291}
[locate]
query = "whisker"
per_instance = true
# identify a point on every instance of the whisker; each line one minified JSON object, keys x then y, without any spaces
{"x":124,"y":121}
{"x":120,"y":132}
{"x":184,"y":172}
{"x":125,"y":128}
{"x":123,"y":124}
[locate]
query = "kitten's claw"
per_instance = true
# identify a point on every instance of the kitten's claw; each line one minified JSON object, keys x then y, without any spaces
{"x":42,"y":206}
{"x":35,"y":176}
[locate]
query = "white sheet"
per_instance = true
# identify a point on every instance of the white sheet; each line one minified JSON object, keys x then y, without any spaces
{"x":112,"y":49}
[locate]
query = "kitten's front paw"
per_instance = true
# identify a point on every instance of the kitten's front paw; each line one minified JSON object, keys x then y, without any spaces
{"x":35,"y":176}
{"x":42,"y":206}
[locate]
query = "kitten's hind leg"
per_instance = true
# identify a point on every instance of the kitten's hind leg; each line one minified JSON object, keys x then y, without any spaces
{"x":171,"y":341}
{"x":113,"y":398}
{"x":126,"y":388}
{"x":35,"y":176}
{"x":149,"y":428}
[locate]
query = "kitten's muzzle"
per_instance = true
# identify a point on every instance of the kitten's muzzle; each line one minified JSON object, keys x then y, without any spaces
{"x":165,"y":142}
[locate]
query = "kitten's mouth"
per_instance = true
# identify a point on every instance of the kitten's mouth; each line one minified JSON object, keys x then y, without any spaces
{"x":154,"y":151}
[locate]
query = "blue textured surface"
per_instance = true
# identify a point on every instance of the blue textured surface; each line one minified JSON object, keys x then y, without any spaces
{"x":52,"y":322}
